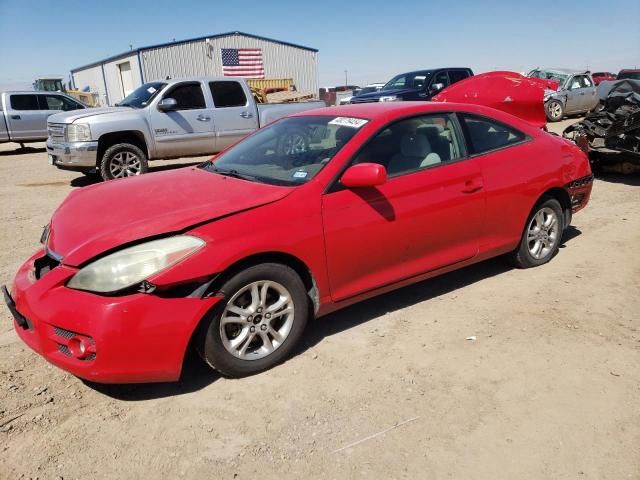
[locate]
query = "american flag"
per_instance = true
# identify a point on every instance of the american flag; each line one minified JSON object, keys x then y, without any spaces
{"x":242,"y":62}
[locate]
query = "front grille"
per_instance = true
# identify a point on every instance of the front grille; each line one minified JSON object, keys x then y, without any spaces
{"x":580,"y":182}
{"x":44,"y":265}
{"x":64,"y":349}
{"x":61,"y":332}
{"x":56,"y":131}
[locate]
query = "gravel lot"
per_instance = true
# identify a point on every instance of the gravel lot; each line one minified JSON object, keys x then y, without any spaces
{"x":550,"y":389}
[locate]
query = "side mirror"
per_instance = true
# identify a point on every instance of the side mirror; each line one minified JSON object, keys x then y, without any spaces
{"x":364,"y":175}
{"x":436,"y":87}
{"x":167,"y":105}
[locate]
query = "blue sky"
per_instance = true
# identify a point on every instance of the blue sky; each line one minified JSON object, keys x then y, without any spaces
{"x":372,"y":40}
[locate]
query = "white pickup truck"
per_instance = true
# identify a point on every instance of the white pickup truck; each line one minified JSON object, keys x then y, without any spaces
{"x":162,"y":120}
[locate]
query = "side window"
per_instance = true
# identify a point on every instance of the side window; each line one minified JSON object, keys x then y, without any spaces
{"x":457,"y":75}
{"x":586,"y":82}
{"x":57,"y":102}
{"x":441,"y":77}
{"x":227,"y":94}
{"x":414,"y":144}
{"x":485,"y":135}
{"x":24,"y":102}
{"x":189,"y":96}
{"x":575,"y":83}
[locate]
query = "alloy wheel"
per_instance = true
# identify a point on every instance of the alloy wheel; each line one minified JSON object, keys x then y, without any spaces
{"x":257,"y":320}
{"x":543,"y":233}
{"x":125,"y":164}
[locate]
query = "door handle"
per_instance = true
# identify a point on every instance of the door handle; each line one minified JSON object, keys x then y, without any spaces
{"x":246,"y":115}
{"x":471,"y":186}
{"x":203,"y":118}
{"x":15,"y":117}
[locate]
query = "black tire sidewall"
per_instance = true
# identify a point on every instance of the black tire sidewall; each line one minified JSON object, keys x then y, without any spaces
{"x":213,"y":350}
{"x":523,"y":257}
{"x":118,"y":148}
{"x":549,"y":117}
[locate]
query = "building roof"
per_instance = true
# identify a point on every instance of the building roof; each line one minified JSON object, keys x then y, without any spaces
{"x":136,"y":51}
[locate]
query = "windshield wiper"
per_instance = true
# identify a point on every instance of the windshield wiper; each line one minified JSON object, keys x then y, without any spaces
{"x":233,"y":173}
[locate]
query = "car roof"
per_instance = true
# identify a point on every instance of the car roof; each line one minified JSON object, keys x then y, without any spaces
{"x":561,"y":70}
{"x":390,"y":110}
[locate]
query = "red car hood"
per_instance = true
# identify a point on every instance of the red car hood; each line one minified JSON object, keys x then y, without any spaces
{"x":510,"y":92}
{"x":101,"y":217}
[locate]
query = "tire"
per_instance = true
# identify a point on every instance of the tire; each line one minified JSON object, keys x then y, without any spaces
{"x":539,"y":245}
{"x":235,"y":339}
{"x":554,"y":110}
{"x":123,"y":160}
{"x":295,"y":142}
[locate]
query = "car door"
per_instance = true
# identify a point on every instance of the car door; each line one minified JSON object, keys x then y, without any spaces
{"x":427,"y":215}
{"x":188,"y":128}
{"x":234,"y":116}
{"x":575,"y":95}
{"x":25,"y":118}
{"x":590,"y":97}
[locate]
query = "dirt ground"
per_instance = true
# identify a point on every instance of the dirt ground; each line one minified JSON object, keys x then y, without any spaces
{"x":390,"y":388}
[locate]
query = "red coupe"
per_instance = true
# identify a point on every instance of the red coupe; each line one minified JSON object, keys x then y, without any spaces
{"x":310,"y":214}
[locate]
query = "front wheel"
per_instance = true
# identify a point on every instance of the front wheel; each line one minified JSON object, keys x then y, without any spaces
{"x":123,"y":160}
{"x":555,"y":111}
{"x":262,"y":319}
{"x":542,"y":235}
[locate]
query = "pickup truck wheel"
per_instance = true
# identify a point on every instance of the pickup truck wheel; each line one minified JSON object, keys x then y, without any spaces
{"x":263,"y":316}
{"x":542,"y":235}
{"x":123,"y":160}
{"x":555,"y":110}
{"x":294,"y":143}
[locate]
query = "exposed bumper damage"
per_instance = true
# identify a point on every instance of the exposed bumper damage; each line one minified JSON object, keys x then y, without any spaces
{"x":611,"y":136}
{"x":507,"y":91}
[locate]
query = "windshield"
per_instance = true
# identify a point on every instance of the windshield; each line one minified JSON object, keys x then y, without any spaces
{"x":549,"y":75}
{"x":289,"y":152}
{"x":416,"y":80}
{"x":141,"y":96}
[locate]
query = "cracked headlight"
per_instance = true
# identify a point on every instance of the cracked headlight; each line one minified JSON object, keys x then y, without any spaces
{"x":78,"y":132}
{"x":132,"y":265}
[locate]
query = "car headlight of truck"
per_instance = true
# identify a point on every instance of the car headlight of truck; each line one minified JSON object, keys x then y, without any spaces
{"x":78,"y":132}
{"x":389,"y":98}
{"x":132,"y":265}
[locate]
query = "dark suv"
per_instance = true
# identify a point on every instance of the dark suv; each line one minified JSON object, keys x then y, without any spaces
{"x":419,"y":85}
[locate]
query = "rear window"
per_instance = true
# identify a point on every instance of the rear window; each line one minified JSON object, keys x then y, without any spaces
{"x":227,"y":94}
{"x":24,"y":102}
{"x":485,"y":135}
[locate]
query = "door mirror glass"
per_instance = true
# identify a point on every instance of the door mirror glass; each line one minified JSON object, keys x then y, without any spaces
{"x":167,"y":105}
{"x":436,"y":87}
{"x":364,"y":175}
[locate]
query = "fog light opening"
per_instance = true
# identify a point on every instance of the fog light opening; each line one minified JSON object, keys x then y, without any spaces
{"x":79,"y":347}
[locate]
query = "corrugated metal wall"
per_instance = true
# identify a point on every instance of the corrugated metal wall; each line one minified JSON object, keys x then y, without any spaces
{"x":199,"y":58}
{"x":112,"y":76}
{"x":92,"y":78}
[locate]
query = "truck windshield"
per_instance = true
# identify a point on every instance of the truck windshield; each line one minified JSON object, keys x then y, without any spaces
{"x":409,"y":80}
{"x":141,"y":96}
{"x":289,"y":152}
{"x":549,"y":75}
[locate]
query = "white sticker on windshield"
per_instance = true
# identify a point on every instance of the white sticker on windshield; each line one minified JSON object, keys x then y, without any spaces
{"x":300,"y":174}
{"x":348,"y":122}
{"x":151,"y":90}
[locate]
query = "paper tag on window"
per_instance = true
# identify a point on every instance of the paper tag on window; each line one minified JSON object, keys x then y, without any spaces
{"x":151,"y":90}
{"x":348,"y":122}
{"x":300,"y":174}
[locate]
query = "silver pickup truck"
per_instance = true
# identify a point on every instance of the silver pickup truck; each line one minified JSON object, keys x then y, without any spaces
{"x":23,"y":115}
{"x":162,"y":120}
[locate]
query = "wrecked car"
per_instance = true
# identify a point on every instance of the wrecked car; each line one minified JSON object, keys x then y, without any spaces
{"x":232,"y":258}
{"x":576,"y":92}
{"x":611,"y":136}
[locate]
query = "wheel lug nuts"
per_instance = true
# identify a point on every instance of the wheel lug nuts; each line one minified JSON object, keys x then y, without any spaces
{"x":249,"y":318}
{"x":268,"y":315}
{"x":252,"y":329}
{"x":263,"y":327}
{"x":259,"y":309}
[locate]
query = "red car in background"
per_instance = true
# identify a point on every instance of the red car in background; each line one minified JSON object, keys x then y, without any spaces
{"x":233,"y":257}
{"x":602,"y":76}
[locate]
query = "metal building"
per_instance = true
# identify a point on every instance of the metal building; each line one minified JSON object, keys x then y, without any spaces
{"x":115,"y":77}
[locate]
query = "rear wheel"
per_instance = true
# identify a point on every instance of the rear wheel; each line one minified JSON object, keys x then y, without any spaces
{"x":542,"y":235}
{"x":123,"y":160}
{"x":264,"y":315}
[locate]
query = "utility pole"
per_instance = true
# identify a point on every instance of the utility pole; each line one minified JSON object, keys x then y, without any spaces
{"x":346,"y":81}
